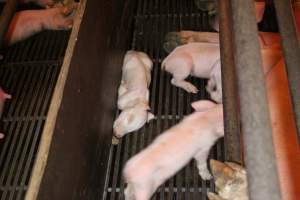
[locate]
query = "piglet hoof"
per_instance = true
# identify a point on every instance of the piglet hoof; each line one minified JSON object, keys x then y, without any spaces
{"x":1,"y":136}
{"x":150,"y":117}
{"x":205,"y":175}
{"x":191,"y":89}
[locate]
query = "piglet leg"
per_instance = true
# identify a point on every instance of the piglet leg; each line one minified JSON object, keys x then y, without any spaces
{"x":201,"y":158}
{"x":211,"y":85}
{"x":138,"y":191}
{"x":187,"y":86}
{"x":3,"y":97}
{"x":129,"y":193}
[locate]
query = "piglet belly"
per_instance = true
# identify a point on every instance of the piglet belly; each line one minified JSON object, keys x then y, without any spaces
{"x":202,"y":68}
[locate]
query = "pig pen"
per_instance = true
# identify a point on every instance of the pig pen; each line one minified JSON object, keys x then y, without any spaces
{"x":66,"y":100}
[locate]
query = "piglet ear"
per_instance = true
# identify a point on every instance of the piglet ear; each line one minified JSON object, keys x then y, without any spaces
{"x":260,"y":9}
{"x":212,"y":196}
{"x":203,"y":105}
{"x":236,"y":167}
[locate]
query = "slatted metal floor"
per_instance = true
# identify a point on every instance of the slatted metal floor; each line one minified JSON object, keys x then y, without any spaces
{"x":152,"y":21}
{"x":28,"y":72}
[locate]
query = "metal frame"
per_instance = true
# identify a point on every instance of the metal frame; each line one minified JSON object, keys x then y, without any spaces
{"x":240,"y":47}
{"x":256,"y":127}
{"x":230,"y":100}
{"x":290,"y":44}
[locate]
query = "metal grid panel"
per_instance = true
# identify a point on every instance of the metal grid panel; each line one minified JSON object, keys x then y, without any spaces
{"x":46,"y":46}
{"x":168,"y":7}
{"x":29,"y":72}
{"x":153,"y":20}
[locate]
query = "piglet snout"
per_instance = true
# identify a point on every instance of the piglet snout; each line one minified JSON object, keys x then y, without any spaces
{"x":118,"y":130}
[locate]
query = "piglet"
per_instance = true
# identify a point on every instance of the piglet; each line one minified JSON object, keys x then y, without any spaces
{"x":133,"y":93}
{"x":197,"y":59}
{"x":172,"y":150}
{"x":3,"y":97}
{"x":29,"y":22}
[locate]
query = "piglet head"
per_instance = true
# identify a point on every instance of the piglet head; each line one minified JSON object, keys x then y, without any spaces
{"x":131,"y":119}
{"x":230,"y":179}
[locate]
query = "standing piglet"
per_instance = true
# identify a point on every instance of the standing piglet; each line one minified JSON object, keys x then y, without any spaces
{"x":197,"y":59}
{"x":133,"y":93}
{"x":3,"y":97}
{"x":191,"y":138}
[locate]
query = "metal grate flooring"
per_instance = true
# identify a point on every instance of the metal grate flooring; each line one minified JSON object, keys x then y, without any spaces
{"x":29,"y":72}
{"x":153,"y":20}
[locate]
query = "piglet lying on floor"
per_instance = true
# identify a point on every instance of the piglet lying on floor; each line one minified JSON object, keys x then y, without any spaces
{"x":197,"y":59}
{"x":133,"y":93}
{"x":3,"y":97}
{"x":230,"y":179}
{"x":191,"y":138}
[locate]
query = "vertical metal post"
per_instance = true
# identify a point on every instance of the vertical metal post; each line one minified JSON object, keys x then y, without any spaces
{"x":6,"y":17}
{"x":256,"y":126}
{"x":291,"y":51}
{"x":230,"y":96}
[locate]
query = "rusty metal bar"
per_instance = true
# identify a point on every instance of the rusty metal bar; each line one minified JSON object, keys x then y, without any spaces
{"x":6,"y":17}
{"x":256,"y":126}
{"x":230,"y":95}
{"x":291,"y":51}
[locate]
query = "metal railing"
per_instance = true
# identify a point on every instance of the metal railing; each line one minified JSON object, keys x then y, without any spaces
{"x":241,"y":56}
